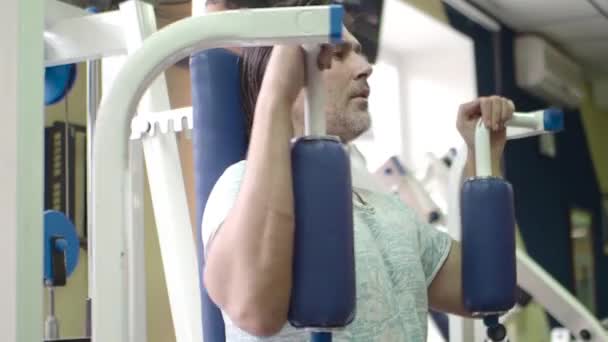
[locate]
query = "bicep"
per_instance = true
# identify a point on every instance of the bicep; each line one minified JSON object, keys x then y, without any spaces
{"x":445,"y":290}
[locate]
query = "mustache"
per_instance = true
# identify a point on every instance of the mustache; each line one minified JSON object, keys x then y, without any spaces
{"x":360,"y":90}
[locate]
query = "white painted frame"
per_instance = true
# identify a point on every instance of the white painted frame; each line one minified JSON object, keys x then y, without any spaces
{"x":134,"y":20}
{"x":71,"y":38}
{"x":21,"y":170}
{"x":159,"y":51}
{"x":73,"y":35}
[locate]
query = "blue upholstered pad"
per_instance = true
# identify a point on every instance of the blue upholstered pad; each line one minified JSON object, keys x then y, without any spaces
{"x":488,"y":245}
{"x":219,"y":140}
{"x":323,"y":293}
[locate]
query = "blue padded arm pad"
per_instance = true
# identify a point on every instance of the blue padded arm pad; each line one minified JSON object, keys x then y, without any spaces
{"x":219,"y":140}
{"x":324,"y":292}
{"x":488,"y":246}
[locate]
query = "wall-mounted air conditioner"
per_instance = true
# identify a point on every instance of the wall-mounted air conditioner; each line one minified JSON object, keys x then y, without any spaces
{"x":547,"y":73}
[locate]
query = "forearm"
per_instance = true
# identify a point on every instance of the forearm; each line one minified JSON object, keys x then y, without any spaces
{"x":249,"y":266}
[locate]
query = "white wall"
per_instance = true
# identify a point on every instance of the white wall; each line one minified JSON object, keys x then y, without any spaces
{"x":435,"y":82}
{"x":384,"y":138}
{"x":425,"y":70}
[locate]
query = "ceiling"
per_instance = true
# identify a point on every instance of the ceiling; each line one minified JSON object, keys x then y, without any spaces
{"x":578,"y":27}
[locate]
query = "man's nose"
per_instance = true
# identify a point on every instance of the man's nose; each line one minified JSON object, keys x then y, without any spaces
{"x":364,"y":68}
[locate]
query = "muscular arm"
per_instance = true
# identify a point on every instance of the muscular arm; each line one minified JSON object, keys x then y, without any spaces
{"x":445,"y":292}
{"x":248,"y":270}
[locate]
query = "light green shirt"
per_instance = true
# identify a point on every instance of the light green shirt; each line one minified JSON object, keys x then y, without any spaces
{"x":396,"y":259}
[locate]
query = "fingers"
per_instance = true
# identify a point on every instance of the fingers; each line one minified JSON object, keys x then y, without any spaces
{"x":468,"y":114}
{"x":496,"y":111}
{"x":486,"y":111}
{"x":508,"y":110}
{"x":470,"y":109}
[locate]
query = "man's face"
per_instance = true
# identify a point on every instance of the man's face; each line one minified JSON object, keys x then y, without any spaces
{"x":347,"y":92}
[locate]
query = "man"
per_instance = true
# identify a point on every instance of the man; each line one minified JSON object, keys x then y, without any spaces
{"x":402,"y":265}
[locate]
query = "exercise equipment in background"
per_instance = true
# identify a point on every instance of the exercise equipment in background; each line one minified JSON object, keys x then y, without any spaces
{"x":58,"y":81}
{"x":61,"y":251}
{"x":402,"y":181}
{"x":66,"y":151}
